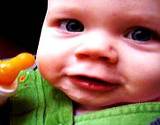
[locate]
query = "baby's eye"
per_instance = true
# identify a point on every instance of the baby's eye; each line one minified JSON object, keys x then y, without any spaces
{"x":140,"y":34}
{"x":71,"y":25}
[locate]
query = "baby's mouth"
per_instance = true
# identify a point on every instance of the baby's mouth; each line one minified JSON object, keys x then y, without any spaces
{"x":91,"y":83}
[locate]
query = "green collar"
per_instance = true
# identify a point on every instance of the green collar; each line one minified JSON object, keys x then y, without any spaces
{"x":133,"y":114}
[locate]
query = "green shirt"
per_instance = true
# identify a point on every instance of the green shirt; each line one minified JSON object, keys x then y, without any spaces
{"x":38,"y":103}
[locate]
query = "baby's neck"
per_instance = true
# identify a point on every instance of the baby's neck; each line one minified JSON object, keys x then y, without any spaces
{"x":78,"y":109}
{"x":81,"y":110}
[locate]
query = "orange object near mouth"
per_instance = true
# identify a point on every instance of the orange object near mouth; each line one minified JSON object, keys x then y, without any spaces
{"x":10,"y":68}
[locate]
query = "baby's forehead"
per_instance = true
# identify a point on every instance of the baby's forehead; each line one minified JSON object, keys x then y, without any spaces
{"x":115,"y":3}
{"x":128,"y":5}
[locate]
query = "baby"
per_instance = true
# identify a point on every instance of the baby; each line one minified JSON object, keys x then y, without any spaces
{"x":102,"y":54}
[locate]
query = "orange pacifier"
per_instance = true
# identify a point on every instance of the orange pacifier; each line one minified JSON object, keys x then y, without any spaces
{"x":9,"y":68}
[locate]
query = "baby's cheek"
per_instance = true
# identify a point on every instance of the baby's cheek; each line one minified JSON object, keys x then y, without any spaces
{"x":145,"y":89}
{"x":50,"y":68}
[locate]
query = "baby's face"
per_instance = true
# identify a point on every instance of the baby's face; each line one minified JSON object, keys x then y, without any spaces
{"x":102,"y":52}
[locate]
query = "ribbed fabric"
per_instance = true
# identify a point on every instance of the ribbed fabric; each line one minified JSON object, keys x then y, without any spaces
{"x":133,"y":114}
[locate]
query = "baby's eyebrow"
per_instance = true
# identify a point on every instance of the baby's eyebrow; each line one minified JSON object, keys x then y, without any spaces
{"x":66,"y":9}
{"x":149,"y":18}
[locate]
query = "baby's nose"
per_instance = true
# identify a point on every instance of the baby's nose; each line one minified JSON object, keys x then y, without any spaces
{"x":98,"y":47}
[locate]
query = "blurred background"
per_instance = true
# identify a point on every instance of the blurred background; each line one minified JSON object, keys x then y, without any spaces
{"x":20,"y":25}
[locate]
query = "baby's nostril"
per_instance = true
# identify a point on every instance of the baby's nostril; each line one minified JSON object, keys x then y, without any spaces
{"x":82,"y":56}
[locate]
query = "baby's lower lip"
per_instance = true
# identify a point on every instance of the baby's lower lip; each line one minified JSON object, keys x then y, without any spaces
{"x":92,"y":84}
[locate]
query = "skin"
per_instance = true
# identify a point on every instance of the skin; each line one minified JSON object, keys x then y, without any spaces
{"x":104,"y":50}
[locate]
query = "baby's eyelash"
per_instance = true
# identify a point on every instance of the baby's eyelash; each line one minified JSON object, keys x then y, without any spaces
{"x":69,"y":25}
{"x":141,"y":34}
